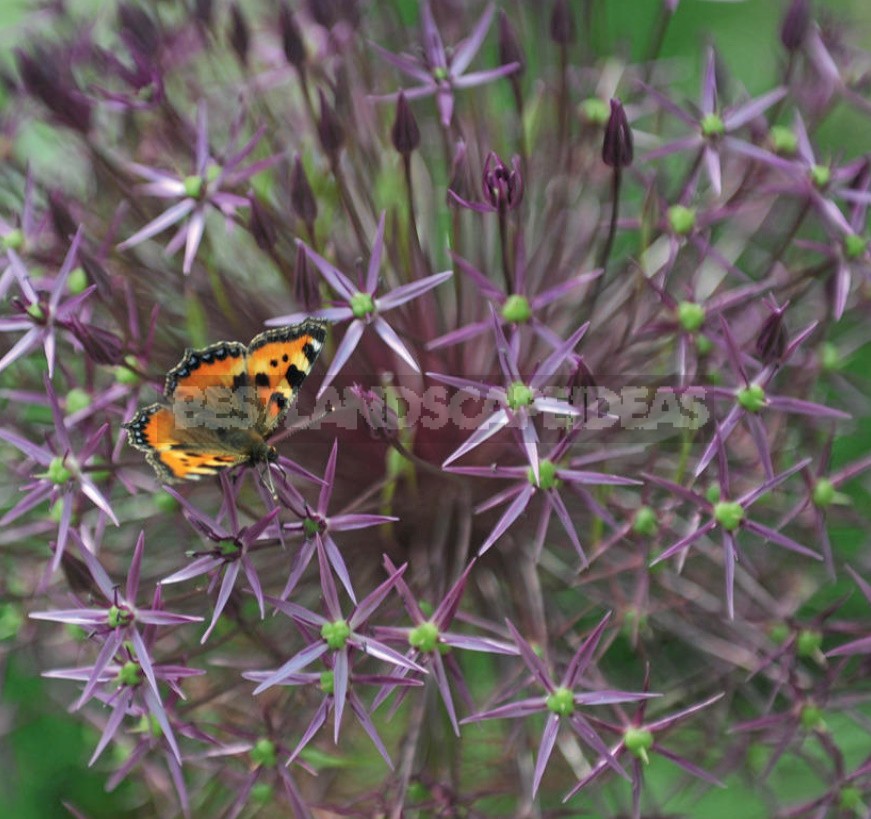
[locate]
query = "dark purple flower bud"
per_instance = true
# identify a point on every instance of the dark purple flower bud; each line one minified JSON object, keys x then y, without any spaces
{"x":330,"y":130}
{"x":204,"y":11}
{"x":405,"y":133}
{"x":43,"y":76}
{"x":138,"y":31}
{"x":101,"y":346}
{"x":64,"y":224}
{"x":795,"y":25}
{"x":562,"y":24}
{"x":349,"y":11}
{"x":617,"y":146}
{"x":302,"y":197}
{"x":503,"y":188}
{"x":261,"y":225}
{"x":773,"y":338}
{"x":240,"y":39}
{"x":325,"y":13}
{"x":305,"y":282}
{"x":291,"y":38}
{"x":582,"y":386}
{"x":510,"y":50}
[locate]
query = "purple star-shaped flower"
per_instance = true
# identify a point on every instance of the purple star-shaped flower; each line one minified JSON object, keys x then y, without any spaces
{"x":362,"y":306}
{"x":441,"y":72}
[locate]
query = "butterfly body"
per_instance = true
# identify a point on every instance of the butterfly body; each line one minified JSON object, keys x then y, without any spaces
{"x":224,"y":401}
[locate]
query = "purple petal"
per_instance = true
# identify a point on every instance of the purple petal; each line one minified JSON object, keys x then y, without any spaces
{"x":29,"y":340}
{"x":533,"y":662}
{"x":340,"y":283}
{"x":112,"y":724}
{"x":319,"y":718}
{"x":682,"y":544}
{"x":800,"y":407}
{"x":166,"y":219}
{"x":334,"y":556}
{"x":340,"y":689}
{"x":195,"y":227}
{"x":487,"y":429}
{"x":135,"y":568}
{"x":406,"y":65}
{"x":483,"y":77}
{"x":368,"y":726}
{"x":548,"y":739}
{"x":743,"y":114}
{"x":231,"y":572}
{"x":780,"y":539}
{"x":465,"y":51}
{"x":407,"y":292}
{"x":509,"y":516}
{"x":299,"y":661}
{"x":375,"y":259}
{"x":343,"y":353}
{"x":709,"y":84}
{"x":374,"y":599}
{"x":388,"y":335}
{"x":438,"y":669}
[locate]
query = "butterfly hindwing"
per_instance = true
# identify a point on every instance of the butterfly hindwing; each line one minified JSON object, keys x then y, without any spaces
{"x":177,"y":451}
{"x":278,"y":362}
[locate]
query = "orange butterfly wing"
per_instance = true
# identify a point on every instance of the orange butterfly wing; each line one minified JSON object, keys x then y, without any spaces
{"x":175,"y":451}
{"x":278,"y":362}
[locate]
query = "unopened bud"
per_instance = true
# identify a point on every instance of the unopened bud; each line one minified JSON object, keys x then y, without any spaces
{"x":562,"y":24}
{"x":330,"y":130}
{"x":405,"y":133}
{"x":795,"y":25}
{"x":617,"y":146}
{"x":239,"y":36}
{"x":291,"y":38}
{"x":503,"y":188}
{"x":302,"y":197}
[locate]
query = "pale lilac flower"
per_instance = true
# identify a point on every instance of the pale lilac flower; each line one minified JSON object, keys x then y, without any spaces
{"x":209,"y":186}
{"x":554,"y":477}
{"x":66,"y":474}
{"x":441,"y":72}
{"x":432,"y":644}
{"x":362,"y":306}
{"x":715,"y":125}
{"x":41,"y":314}
{"x":230,"y":555}
{"x":561,"y":700}
{"x":317,"y":525}
{"x":118,"y":620}
{"x":519,"y":397}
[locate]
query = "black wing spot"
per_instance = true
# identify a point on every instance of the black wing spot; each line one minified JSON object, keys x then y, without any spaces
{"x":261,"y":380}
{"x":309,"y":352}
{"x":285,"y":358}
{"x":295,"y":376}
{"x":240,"y":380}
{"x":279,"y":400}
{"x":273,"y":363}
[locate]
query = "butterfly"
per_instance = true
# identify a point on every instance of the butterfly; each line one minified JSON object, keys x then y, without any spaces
{"x":224,"y":401}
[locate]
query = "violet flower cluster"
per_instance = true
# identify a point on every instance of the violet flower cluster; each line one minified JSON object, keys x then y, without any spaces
{"x":572,"y":508}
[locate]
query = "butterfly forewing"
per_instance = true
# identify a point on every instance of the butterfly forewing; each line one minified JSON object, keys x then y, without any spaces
{"x":278,"y":362}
